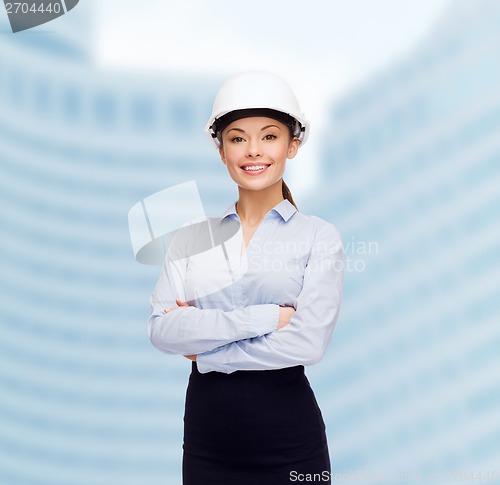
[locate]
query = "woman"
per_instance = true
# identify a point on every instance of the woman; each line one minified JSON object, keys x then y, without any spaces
{"x":252,"y":312}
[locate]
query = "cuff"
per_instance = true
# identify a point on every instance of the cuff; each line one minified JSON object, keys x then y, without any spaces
{"x":263,"y":318}
{"x":207,"y":361}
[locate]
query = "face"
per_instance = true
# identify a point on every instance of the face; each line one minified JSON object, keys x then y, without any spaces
{"x":261,"y":143}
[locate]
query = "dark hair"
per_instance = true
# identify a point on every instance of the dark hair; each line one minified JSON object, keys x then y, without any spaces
{"x":287,"y":120}
{"x":287,"y":194}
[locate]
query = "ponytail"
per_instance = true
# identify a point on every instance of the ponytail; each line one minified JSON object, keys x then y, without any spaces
{"x":287,"y":194}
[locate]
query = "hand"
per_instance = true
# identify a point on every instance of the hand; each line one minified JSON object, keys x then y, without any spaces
{"x":286,"y":313}
{"x":179,"y":302}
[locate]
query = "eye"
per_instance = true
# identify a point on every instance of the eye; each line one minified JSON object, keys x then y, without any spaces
{"x":237,"y":139}
{"x":270,"y":136}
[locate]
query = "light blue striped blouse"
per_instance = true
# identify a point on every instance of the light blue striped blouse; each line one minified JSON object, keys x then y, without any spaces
{"x":231,"y":324}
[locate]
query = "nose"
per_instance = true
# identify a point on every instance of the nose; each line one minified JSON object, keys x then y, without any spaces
{"x":253,"y":148}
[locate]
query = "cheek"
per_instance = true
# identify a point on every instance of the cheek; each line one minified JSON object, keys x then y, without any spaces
{"x":234,"y":156}
{"x":232,"y":163}
{"x":279,"y":153}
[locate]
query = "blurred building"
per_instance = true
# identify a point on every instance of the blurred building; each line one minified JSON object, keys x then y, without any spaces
{"x":85,"y":399}
{"x":411,"y":176}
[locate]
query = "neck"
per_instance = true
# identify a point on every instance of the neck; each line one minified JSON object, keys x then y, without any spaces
{"x":253,"y":205}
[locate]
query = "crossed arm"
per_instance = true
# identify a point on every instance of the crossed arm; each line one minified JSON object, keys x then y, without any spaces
{"x":284,"y":318}
{"x":191,"y":330}
{"x":248,"y":338}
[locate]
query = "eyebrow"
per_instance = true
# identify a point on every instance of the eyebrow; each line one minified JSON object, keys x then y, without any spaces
{"x":262,"y":129}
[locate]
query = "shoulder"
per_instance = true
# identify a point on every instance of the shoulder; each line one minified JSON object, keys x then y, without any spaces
{"x":320,"y":229}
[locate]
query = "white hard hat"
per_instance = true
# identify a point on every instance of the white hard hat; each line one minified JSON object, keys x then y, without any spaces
{"x":257,"y":90}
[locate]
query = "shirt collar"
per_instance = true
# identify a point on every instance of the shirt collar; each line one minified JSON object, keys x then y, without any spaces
{"x":284,"y":208}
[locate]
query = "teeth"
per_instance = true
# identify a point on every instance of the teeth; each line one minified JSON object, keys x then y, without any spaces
{"x":255,"y":168}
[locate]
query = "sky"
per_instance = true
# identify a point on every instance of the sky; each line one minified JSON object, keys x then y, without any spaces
{"x":323,"y":49}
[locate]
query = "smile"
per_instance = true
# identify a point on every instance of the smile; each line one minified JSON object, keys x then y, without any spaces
{"x":255,"y":169}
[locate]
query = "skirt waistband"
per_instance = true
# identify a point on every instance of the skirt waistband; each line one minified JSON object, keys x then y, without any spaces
{"x":270,"y":375}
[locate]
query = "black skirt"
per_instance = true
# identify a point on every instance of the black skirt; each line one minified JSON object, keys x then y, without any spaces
{"x":253,"y":428}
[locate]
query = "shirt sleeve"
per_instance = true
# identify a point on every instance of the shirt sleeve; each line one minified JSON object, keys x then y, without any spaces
{"x":305,"y":339}
{"x":191,"y":330}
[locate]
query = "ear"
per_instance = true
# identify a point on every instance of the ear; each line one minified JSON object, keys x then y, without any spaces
{"x":293,"y":148}
{"x":222,"y":155}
